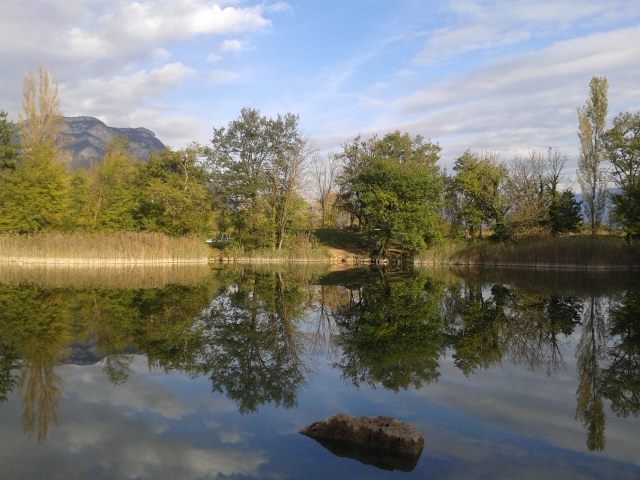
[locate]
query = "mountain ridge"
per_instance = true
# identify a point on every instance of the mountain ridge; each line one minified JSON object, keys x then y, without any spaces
{"x":86,"y":139}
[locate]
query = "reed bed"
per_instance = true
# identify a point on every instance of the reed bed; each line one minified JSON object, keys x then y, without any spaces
{"x":102,"y":249}
{"x":577,"y":252}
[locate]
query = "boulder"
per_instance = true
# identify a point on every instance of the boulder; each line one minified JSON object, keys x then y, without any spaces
{"x":380,"y":441}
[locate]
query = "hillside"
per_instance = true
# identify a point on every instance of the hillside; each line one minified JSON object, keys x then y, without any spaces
{"x":86,"y":138}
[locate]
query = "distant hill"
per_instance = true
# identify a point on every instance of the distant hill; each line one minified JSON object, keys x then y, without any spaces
{"x":86,"y":138}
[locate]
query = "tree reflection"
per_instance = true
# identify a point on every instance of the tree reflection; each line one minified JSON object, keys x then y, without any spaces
{"x":252,"y":349}
{"x":590,"y":349}
{"x":621,"y":379}
{"x":477,"y":324}
{"x":390,"y":332}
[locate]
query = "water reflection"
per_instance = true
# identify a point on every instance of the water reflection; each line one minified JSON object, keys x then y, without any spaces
{"x":254,"y":334}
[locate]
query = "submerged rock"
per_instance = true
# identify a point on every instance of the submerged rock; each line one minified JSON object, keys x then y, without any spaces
{"x":380,"y":441}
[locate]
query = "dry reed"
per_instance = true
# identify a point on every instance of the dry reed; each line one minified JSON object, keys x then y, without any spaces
{"x":102,"y":249}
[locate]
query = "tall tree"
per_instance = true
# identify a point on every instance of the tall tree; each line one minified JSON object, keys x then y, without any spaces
{"x":591,"y":129}
{"x":256,"y":165}
{"x":40,"y":120}
{"x":622,"y":144}
{"x":40,"y":176}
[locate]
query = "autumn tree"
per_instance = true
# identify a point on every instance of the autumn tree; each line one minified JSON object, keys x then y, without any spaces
{"x":35,"y":195}
{"x":591,"y":129}
{"x":40,"y":121}
{"x":324,"y":174}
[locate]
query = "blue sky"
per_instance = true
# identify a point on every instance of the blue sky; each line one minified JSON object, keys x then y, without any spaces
{"x":493,"y":76}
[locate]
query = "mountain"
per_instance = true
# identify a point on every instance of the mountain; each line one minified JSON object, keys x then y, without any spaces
{"x":86,"y":138}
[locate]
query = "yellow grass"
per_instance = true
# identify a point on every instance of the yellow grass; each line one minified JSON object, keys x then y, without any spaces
{"x":102,"y":249}
{"x":540,"y":252}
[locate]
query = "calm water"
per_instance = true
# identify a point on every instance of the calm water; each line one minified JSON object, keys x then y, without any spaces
{"x":211,"y":375}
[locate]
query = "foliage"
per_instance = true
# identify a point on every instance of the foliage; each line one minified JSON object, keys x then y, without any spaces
{"x":256,"y":165}
{"x":622,"y":144}
{"x":113,"y":198}
{"x":477,"y":190}
{"x":8,"y":149}
{"x":173,"y":197}
{"x":564,"y":213}
{"x":44,"y":181}
{"x":591,"y":129}
{"x":393,"y":186}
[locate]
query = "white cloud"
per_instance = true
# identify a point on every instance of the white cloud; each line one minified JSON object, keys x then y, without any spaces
{"x":481,"y":25}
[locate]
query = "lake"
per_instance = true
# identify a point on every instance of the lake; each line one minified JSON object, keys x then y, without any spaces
{"x":211,"y":372}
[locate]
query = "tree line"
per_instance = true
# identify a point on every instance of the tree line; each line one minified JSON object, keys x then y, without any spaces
{"x":259,"y":183}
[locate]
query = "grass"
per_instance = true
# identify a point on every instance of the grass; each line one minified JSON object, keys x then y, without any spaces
{"x":102,"y":248}
{"x":352,"y":242}
{"x":541,"y":252}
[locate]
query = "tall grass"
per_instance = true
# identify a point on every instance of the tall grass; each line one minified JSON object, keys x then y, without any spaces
{"x":105,"y":248}
{"x":540,"y":252}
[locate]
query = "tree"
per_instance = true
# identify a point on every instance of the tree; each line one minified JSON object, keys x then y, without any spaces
{"x":324,"y":173}
{"x":40,"y":121}
{"x":173,"y":194}
{"x":354,"y":156}
{"x":591,"y":129}
{"x":525,"y":195}
{"x":256,"y":165}
{"x":622,"y":145}
{"x":8,"y":149}
{"x":477,"y":182}
{"x":39,"y":176}
{"x":398,"y":193}
{"x":45,"y":183}
{"x":564,"y":213}
{"x":114,"y":194}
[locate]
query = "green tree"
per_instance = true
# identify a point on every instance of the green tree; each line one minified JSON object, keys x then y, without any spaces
{"x":591,"y":129}
{"x":113,"y":189}
{"x":564,"y":213}
{"x":477,"y":182}
{"x":622,"y":145}
{"x":173,"y":195}
{"x":257,"y":164}
{"x":8,"y":149}
{"x":35,"y":196}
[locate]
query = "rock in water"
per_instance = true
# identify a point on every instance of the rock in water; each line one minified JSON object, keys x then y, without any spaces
{"x":380,"y":441}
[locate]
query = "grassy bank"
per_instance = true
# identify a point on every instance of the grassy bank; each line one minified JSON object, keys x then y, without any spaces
{"x":103,"y":249}
{"x":543,"y":252}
